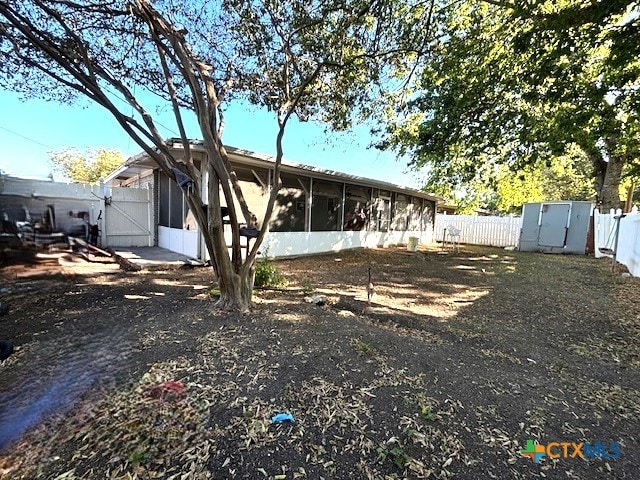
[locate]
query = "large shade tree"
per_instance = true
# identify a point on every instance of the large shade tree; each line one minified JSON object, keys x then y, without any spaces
{"x":521,"y":83}
{"x":86,"y":167}
{"x":317,"y":59}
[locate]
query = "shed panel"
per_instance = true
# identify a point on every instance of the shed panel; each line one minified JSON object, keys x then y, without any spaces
{"x":553,"y":224}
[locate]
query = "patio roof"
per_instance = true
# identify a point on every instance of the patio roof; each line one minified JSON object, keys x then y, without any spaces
{"x":142,"y":163}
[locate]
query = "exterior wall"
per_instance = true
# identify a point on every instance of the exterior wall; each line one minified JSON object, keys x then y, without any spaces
{"x":178,"y":240}
{"x":288,"y":244}
{"x":414,"y":217}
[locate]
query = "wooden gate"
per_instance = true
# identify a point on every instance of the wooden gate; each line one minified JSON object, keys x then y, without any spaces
{"x":128,"y":218}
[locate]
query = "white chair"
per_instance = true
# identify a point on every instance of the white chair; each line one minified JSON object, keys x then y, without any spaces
{"x":453,"y":235}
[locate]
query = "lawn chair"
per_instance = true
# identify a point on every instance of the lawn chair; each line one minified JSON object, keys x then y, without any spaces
{"x":452,"y":234}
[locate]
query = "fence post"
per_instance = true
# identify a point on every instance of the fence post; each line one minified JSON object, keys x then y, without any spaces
{"x":103,"y":207}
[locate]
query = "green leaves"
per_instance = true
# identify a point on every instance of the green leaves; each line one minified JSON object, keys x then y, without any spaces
{"x":88,"y":167}
{"x":519,"y":85}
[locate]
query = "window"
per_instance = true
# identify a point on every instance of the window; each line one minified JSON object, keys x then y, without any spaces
{"x":171,"y":203}
{"x":381,"y":211}
{"x":356,"y":205}
{"x":427,"y":216}
{"x":401,"y":219}
{"x":253,"y":182}
{"x":290,"y":209}
{"x":415,"y":211}
{"x":326,"y":209}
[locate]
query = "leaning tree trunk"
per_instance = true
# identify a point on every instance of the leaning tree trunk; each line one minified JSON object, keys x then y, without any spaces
{"x":606,"y":175}
{"x":612,"y":175}
{"x":611,"y":185}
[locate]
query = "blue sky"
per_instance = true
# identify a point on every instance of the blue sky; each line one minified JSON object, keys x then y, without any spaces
{"x":32,"y":128}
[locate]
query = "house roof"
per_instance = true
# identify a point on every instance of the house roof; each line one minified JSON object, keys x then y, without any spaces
{"x":142,"y":163}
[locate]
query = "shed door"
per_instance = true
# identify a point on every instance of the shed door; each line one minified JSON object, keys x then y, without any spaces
{"x":553,"y":224}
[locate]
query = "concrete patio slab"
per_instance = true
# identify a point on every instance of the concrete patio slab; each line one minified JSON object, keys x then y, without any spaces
{"x":156,"y":257}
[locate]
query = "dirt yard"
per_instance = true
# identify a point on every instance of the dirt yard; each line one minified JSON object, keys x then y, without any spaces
{"x":458,"y":362}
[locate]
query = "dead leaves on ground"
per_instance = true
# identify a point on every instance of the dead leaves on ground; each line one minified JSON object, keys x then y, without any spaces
{"x":190,"y":418}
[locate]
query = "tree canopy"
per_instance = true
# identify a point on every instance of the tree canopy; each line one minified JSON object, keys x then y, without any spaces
{"x":566,"y":178}
{"x":522,"y":83}
{"x":88,"y":167}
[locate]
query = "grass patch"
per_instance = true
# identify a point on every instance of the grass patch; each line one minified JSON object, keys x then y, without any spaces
{"x":307,"y":287}
{"x":393,"y":453}
{"x":363,"y":348}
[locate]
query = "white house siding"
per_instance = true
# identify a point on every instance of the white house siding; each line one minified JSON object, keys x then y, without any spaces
{"x":177,"y":240}
{"x":288,"y":244}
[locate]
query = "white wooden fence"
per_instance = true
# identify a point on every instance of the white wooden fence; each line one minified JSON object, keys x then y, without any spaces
{"x":628,"y":249}
{"x":479,"y":230}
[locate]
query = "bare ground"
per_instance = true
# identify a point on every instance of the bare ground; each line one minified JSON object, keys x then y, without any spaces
{"x":460,"y":359}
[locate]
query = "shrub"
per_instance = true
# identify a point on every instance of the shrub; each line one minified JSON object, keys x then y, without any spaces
{"x":267,"y":274}
{"x":307,"y":288}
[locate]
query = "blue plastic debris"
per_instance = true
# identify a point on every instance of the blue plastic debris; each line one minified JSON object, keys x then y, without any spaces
{"x":282,"y":417}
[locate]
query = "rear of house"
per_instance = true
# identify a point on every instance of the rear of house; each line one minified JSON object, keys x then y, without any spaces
{"x":316,"y":210}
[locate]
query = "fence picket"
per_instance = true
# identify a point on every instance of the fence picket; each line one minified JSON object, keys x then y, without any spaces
{"x":490,"y":230}
{"x":628,"y":251}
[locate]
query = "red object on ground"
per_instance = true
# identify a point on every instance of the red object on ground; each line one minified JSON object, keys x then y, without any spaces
{"x":169,"y":390}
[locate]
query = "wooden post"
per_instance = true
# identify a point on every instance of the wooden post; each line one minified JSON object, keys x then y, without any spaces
{"x":629,"y":201}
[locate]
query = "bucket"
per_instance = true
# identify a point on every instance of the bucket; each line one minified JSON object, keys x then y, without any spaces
{"x":412,"y":244}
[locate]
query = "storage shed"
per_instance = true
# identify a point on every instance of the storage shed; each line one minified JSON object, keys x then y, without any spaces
{"x":555,"y":227}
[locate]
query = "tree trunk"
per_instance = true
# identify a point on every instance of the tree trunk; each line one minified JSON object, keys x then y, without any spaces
{"x":628,"y":204}
{"x":611,"y":185}
{"x":236,"y":293}
{"x":613,"y":173}
{"x":606,"y":175}
{"x":235,"y":281}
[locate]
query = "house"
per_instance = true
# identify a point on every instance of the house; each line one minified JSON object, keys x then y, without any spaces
{"x":316,"y":210}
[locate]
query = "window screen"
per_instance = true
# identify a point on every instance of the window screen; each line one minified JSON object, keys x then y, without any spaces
{"x":356,"y":204}
{"x":289,"y":212}
{"x":171,"y":203}
{"x":380,"y":211}
{"x":401,"y":208}
{"x":163,"y":200}
{"x":415,"y":210}
{"x":427,"y":216}
{"x":326,"y":209}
